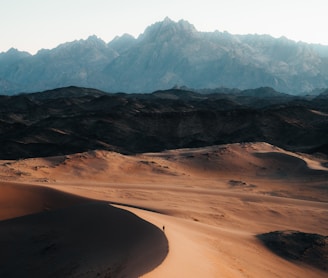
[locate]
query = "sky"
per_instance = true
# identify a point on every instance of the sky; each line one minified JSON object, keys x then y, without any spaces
{"x":31,"y":25}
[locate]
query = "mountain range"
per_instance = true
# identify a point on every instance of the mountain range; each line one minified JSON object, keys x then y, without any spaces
{"x":169,"y":53}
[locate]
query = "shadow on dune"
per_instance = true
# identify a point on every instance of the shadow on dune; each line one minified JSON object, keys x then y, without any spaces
{"x":282,"y":165}
{"x":19,"y":200}
{"x":86,"y":239}
{"x":311,"y":249}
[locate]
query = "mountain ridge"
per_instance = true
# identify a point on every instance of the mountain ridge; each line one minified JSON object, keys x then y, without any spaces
{"x":169,"y":53}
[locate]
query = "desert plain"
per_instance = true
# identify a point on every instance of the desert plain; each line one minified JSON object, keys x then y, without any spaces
{"x":102,"y":214}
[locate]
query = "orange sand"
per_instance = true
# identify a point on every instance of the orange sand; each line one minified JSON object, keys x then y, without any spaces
{"x":213,"y":201}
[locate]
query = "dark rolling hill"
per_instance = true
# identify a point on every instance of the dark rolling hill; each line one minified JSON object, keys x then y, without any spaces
{"x":73,"y":119}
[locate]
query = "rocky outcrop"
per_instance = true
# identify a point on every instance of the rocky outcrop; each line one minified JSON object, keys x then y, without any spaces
{"x":299,"y":247}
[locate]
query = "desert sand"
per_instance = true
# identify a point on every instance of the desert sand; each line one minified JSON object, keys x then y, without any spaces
{"x":213,"y":202}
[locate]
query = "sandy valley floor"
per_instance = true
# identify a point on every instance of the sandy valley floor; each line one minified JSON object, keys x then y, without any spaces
{"x":212,"y":201}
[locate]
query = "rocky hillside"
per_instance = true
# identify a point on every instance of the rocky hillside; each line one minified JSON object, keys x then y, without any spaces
{"x":70,"y":120}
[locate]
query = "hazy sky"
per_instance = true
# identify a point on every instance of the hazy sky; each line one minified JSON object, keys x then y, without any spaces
{"x":30,"y":25}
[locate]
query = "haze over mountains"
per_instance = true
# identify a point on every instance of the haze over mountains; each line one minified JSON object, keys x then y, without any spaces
{"x":169,"y":53}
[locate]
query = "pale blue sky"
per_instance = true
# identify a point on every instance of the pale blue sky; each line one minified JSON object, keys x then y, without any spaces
{"x":30,"y":25}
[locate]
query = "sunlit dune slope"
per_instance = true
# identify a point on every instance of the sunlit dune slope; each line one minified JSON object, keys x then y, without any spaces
{"x":241,"y":166}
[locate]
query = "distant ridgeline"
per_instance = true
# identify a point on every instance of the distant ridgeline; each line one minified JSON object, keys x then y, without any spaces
{"x":71,"y":120}
{"x":166,"y":54}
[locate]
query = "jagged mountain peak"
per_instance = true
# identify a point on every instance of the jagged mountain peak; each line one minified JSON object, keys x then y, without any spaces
{"x":94,"y":40}
{"x":14,"y":52}
{"x":91,"y":41}
{"x":121,"y":43}
{"x":168,"y":28}
{"x":125,"y":36}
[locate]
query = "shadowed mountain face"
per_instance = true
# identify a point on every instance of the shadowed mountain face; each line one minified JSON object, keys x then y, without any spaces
{"x":71,"y":120}
{"x":166,"y":54}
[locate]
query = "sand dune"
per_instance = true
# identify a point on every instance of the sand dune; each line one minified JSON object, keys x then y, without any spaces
{"x":19,"y":200}
{"x":213,"y":202}
{"x":74,"y":237}
{"x":243,"y":167}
